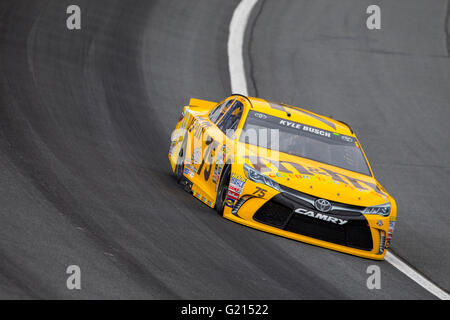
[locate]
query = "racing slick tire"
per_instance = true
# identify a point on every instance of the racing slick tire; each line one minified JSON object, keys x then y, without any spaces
{"x":223,"y":190}
{"x":179,"y":167}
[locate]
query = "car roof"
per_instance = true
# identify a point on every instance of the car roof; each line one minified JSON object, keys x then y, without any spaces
{"x":296,"y":114}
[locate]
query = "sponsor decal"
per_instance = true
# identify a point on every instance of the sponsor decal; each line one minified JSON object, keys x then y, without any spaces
{"x":260,"y":115}
{"x":190,"y":167}
{"x":347,"y":139}
{"x":202,"y":198}
{"x":219,"y":164}
{"x":320,"y":177}
{"x":197,"y":155}
{"x":304,"y":127}
{"x":188,"y":172}
{"x":234,"y":189}
{"x":390,"y":233}
{"x":229,"y":202}
{"x":320,"y":216}
{"x":291,"y":124}
{"x":303,"y":172}
{"x":172,"y":146}
{"x":216,"y":175}
{"x":317,"y":131}
{"x":238,"y":180}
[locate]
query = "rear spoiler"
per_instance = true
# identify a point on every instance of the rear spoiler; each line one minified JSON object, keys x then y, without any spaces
{"x":202,"y":103}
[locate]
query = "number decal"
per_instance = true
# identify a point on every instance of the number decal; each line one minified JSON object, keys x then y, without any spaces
{"x":208,"y":158}
{"x":260,"y":192}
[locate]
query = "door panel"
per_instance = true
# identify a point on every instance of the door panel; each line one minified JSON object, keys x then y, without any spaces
{"x":211,"y":144}
{"x":209,"y":148}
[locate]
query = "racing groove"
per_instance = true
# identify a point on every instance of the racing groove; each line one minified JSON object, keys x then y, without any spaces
{"x":85,"y":118}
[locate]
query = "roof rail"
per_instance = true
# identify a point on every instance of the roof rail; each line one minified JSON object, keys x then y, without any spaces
{"x":351,"y":130}
{"x":245,"y":97}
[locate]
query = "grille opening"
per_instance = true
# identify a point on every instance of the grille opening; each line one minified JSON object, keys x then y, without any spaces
{"x":317,"y":229}
{"x":359,"y":236}
{"x":355,"y":233}
{"x":273,"y":214}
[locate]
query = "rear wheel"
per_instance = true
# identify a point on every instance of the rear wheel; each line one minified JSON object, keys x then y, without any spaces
{"x":179,"y":167}
{"x":223,"y":190}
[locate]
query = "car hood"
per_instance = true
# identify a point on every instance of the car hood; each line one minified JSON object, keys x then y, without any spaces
{"x":316,"y":178}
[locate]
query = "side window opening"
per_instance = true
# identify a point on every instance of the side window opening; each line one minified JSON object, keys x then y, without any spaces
{"x":216,"y":114}
{"x":230,"y":120}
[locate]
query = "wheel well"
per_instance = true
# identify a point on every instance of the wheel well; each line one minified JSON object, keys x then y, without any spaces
{"x":226,"y":166}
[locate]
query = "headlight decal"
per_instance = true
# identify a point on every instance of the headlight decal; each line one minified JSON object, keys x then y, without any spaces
{"x":253,"y":175}
{"x":256,"y":176}
{"x":383,"y":210}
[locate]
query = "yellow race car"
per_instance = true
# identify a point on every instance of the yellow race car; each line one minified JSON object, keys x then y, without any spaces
{"x":283,"y":170}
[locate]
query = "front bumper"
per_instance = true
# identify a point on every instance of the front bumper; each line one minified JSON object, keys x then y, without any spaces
{"x":341,"y":230}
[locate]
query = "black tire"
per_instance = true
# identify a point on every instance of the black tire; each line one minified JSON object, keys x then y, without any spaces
{"x":179,"y":167}
{"x":222,"y":190}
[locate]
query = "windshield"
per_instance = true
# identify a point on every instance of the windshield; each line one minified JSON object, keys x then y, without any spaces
{"x":304,"y":141}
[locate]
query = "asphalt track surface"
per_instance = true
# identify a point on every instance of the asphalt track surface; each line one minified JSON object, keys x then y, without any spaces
{"x":85,"y":119}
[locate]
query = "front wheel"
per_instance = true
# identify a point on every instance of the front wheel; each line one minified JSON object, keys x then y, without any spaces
{"x":223,"y":190}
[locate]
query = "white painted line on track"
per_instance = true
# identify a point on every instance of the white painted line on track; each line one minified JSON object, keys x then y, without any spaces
{"x":238,"y":25}
{"x":417,"y":277}
{"x":236,"y":35}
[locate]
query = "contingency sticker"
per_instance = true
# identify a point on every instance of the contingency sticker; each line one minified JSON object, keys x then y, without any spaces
{"x":234,"y":190}
{"x":219,"y":164}
{"x":197,"y":156}
{"x":172,"y":146}
{"x":188,"y":172}
{"x":390,"y":233}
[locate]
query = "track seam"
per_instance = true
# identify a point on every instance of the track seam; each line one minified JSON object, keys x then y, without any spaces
{"x":238,"y":81}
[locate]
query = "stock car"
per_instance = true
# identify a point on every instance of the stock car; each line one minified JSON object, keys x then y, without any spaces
{"x":283,"y":170}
